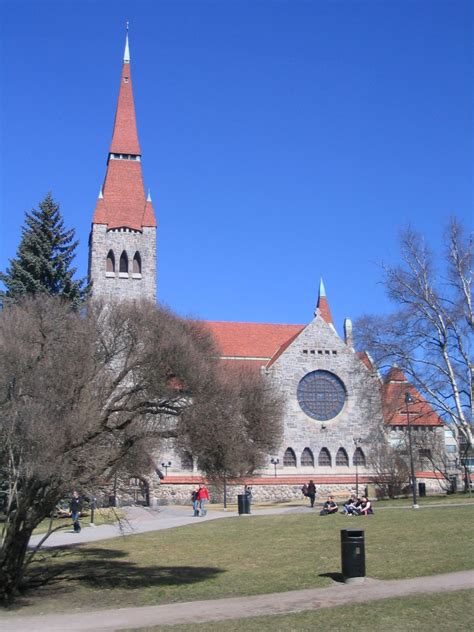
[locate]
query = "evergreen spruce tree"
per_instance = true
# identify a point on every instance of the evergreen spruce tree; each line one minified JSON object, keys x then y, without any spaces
{"x":43,"y":260}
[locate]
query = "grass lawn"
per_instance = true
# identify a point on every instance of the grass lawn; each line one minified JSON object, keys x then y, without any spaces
{"x":444,"y":499}
{"x":101,"y":516}
{"x":423,"y":613}
{"x":245,"y":556}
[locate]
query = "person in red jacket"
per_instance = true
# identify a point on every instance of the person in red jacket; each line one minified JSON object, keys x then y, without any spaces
{"x":202,"y":497}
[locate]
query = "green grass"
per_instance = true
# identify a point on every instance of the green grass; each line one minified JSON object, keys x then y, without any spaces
{"x":423,"y":613}
{"x":101,"y":516}
{"x":444,"y":499}
{"x":246,"y":556}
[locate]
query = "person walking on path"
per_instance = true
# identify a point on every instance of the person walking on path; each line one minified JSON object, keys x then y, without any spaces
{"x":203,"y":497}
{"x":76,"y":508}
{"x":248,"y":494}
{"x":311,"y":492}
{"x":195,"y":501}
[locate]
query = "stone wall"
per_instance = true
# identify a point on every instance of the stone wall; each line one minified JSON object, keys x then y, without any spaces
{"x":319,"y":347}
{"x":175,"y":494}
{"x":120,"y":286}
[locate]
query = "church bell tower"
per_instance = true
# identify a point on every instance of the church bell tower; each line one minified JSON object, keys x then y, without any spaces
{"x":122,"y":242}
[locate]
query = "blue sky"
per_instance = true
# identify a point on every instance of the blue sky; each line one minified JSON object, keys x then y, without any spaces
{"x":282,"y":141}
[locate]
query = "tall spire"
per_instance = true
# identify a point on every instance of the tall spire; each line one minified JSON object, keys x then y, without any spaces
{"x":125,"y":136}
{"x":322,"y":306}
{"x":124,"y":201}
{"x":126,"y":54}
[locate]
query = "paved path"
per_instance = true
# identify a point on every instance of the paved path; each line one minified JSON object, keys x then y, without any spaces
{"x":238,"y":607}
{"x":142,"y":520}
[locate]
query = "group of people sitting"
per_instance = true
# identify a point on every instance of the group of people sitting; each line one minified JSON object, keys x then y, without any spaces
{"x":355,"y":506}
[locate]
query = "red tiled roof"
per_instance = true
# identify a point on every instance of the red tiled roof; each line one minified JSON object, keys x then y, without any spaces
{"x":283,"y":348}
{"x":395,"y":374}
{"x":124,"y":202}
{"x":251,"y":340}
{"x":125,"y":137}
{"x":323,"y":307}
{"x":365,"y":359}
{"x":394,"y":388}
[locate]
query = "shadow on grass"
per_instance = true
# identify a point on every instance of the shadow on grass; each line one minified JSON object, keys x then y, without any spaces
{"x":337,"y":577}
{"x":99,"y":569}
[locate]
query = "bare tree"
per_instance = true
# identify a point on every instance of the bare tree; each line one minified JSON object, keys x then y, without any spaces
{"x":235,"y":440}
{"x":80,"y":393}
{"x":430,"y":334}
{"x":388,"y":463}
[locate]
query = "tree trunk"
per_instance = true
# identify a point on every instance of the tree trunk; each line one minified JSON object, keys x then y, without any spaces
{"x":22,"y":520}
{"x":12,"y":558}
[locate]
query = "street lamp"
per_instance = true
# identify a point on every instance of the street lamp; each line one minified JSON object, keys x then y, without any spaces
{"x":357,"y":442}
{"x":166,"y":466}
{"x":409,"y":400}
{"x":275,"y":462}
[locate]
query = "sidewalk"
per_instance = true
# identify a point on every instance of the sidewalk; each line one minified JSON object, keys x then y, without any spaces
{"x":238,"y":607}
{"x":142,"y":520}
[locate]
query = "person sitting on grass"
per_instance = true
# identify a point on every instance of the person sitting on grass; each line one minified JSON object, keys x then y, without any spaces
{"x":349,"y":505}
{"x":329,"y":507}
{"x":365,"y":507}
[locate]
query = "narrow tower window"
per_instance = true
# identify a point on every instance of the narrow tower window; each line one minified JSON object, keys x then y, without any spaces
{"x":123,"y":263}
{"x":324,"y":458}
{"x":186,"y":461}
{"x":307,"y":458}
{"x":359,"y":457}
{"x":110,"y":262}
{"x":341,"y":458}
{"x":289,"y":458}
{"x":137,"y":264}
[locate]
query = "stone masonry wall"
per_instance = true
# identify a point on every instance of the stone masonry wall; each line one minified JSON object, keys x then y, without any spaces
{"x":319,"y":347}
{"x":173,"y":494}
{"x":119,"y":286}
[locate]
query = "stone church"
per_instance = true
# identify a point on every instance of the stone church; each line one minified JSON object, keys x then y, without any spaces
{"x":334,"y":396}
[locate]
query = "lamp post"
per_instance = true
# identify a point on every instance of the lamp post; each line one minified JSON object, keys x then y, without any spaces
{"x":357,"y":442}
{"x":275,"y":462}
{"x":166,"y":466}
{"x":409,"y":400}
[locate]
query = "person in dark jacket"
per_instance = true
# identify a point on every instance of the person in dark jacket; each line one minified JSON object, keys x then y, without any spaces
{"x":329,"y":507}
{"x":311,"y":492}
{"x":195,"y":501}
{"x":76,"y":508}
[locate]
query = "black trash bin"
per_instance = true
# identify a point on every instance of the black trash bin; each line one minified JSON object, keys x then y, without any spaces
{"x":421,"y":490}
{"x":352,"y":553}
{"x":243,"y":502}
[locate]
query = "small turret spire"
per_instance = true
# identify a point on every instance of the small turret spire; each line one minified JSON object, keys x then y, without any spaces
{"x":126,"y":54}
{"x":322,"y":289}
{"x":322,"y":306}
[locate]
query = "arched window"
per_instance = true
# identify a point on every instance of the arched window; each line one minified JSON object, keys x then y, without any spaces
{"x":289,"y":458}
{"x":137,"y":264}
{"x":307,"y":458}
{"x":358,"y":458}
{"x":425,"y":456}
{"x":341,"y":458}
{"x":123,"y":262}
{"x":186,"y":461}
{"x":324,"y":458}
{"x":110,"y":262}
